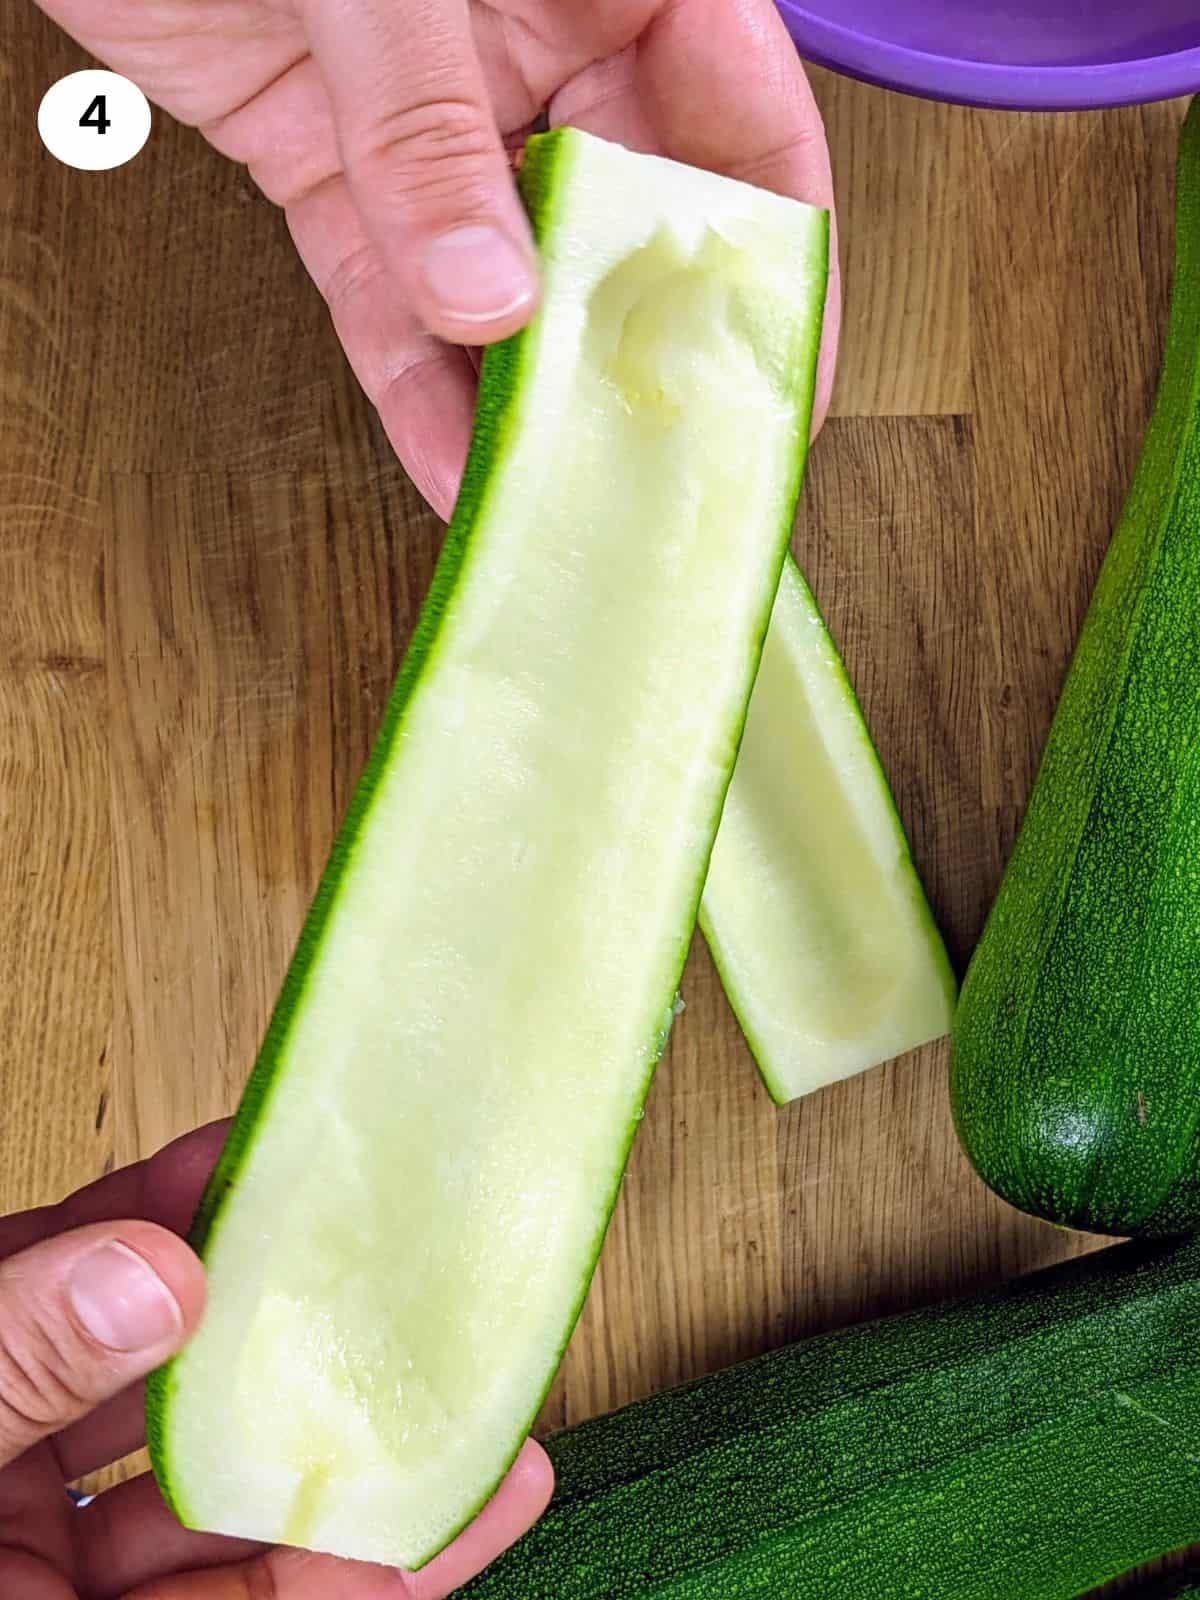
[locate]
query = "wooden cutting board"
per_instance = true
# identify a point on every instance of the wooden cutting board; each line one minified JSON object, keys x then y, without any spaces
{"x":210,"y":565}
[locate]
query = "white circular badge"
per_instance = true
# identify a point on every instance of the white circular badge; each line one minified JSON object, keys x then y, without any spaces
{"x":94,"y":120}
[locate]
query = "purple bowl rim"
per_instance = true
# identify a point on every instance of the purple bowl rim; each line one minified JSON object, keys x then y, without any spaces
{"x":987,"y":83}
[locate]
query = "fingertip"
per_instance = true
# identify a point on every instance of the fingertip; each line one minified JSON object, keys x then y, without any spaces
{"x":174,"y":1263}
{"x":532,"y":1478}
{"x":830,"y":336}
{"x":511,"y":1512}
{"x":427,"y":408}
{"x":175,"y":1176}
{"x":823,"y":394}
{"x":433,"y":474}
{"x":477,"y":283}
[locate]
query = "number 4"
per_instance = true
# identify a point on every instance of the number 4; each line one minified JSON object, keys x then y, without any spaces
{"x":96,"y":116}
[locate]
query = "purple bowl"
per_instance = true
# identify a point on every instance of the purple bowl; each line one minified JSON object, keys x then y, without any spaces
{"x":1029,"y":55}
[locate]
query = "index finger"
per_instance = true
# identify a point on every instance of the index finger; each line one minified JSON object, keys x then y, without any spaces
{"x":425,"y":161}
{"x":736,"y":55}
{"x":165,"y":1188}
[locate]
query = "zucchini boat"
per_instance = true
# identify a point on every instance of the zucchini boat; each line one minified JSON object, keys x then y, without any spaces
{"x":812,"y":908}
{"x":1024,"y":1444}
{"x":1076,"y":1057}
{"x":403,"y":1224}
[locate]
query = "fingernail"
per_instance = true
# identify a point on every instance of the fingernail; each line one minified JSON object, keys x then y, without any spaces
{"x":121,"y":1301}
{"x":477,"y":273}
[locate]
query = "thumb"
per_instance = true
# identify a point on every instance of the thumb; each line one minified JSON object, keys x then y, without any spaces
{"x":425,"y":162}
{"x":85,"y":1315}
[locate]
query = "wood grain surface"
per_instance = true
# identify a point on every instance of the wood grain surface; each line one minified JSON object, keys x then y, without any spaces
{"x":210,"y":565}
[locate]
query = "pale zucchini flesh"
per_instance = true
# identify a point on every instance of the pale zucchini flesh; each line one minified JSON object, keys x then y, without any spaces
{"x":813,"y":909}
{"x":404,"y":1222}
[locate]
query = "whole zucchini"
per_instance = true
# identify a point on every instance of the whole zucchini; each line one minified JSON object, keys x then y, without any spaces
{"x":1076,"y":1060}
{"x":1025,"y":1444}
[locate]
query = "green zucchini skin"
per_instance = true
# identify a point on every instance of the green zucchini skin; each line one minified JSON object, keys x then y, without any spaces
{"x":1075,"y":1075}
{"x":1028,"y":1443}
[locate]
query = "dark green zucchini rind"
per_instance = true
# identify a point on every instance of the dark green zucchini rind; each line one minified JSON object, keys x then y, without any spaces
{"x":544,"y":168}
{"x":1028,"y":1443}
{"x":1075,"y":1075}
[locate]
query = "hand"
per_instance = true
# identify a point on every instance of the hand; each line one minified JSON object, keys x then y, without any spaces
{"x":381,"y":127}
{"x":88,"y":1305}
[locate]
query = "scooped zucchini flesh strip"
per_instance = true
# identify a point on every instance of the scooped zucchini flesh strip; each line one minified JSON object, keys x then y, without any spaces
{"x":405,"y":1219}
{"x":813,"y":909}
